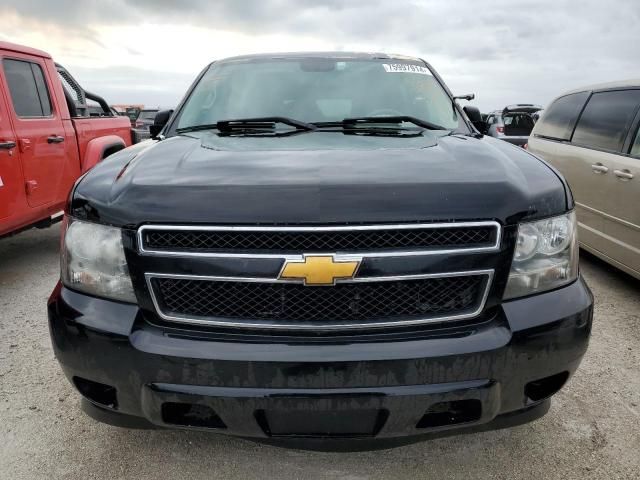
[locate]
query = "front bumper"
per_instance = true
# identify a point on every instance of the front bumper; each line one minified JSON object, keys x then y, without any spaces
{"x":435,"y":382}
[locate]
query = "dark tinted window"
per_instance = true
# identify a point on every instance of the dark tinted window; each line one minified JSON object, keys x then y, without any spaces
{"x":43,"y":92}
{"x":635,"y":147}
{"x":522,"y":120}
{"x":28,"y":89}
{"x":561,"y":116}
{"x":606,"y":119}
{"x":517,"y":123}
{"x":147,"y":115}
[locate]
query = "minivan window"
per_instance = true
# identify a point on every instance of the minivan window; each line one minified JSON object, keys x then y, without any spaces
{"x":28,"y":88}
{"x":606,"y":119}
{"x":559,"y":119}
{"x":318,"y":90}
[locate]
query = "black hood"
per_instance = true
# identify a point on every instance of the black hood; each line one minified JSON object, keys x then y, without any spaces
{"x":319,"y":178}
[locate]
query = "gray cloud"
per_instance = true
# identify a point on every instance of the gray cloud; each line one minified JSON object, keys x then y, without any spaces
{"x":135,"y":85}
{"x":504,"y":51}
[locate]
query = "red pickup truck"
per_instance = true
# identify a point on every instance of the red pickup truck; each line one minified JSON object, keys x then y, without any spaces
{"x":49,"y":136}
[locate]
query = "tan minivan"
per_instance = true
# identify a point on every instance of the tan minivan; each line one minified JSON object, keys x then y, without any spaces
{"x":591,"y":135}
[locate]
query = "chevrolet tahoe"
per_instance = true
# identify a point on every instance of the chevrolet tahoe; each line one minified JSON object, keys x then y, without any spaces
{"x":320,"y":250}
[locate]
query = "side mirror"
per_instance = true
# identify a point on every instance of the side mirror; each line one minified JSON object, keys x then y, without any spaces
{"x":160,"y":120}
{"x":475,"y":117}
{"x":467,"y":96}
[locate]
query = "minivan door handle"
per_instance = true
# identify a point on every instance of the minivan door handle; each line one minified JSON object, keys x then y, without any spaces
{"x":8,"y":145}
{"x":623,"y":174}
{"x":55,"y":139}
{"x":599,"y":168}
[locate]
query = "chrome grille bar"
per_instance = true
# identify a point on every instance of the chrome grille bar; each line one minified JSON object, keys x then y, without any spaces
{"x":316,"y":326}
{"x":494,"y":246}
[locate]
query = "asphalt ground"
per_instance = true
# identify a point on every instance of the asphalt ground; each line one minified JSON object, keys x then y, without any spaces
{"x":591,"y":431}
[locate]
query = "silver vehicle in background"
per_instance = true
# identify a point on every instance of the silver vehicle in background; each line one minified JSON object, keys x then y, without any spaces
{"x":514,"y":123}
{"x":143,"y":122}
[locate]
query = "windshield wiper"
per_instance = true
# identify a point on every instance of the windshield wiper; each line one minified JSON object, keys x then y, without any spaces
{"x":384,"y":132}
{"x":250,"y":125}
{"x":268,"y":125}
{"x":359,"y":122}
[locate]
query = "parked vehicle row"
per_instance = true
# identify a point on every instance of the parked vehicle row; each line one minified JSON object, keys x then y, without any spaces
{"x":341,"y":211}
{"x":143,"y":121}
{"x":592,"y":136}
{"x":49,"y":136}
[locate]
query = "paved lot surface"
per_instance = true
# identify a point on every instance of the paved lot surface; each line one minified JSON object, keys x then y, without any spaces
{"x":592,"y":430}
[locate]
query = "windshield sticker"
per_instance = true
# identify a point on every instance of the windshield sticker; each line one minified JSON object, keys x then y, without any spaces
{"x":405,"y":68}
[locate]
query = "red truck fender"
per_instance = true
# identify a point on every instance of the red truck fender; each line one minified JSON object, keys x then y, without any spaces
{"x":99,"y":148}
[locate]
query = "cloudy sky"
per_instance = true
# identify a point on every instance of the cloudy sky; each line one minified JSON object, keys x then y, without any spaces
{"x":148,"y":51}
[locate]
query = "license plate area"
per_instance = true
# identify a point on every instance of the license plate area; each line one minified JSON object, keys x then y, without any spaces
{"x":324,"y":417}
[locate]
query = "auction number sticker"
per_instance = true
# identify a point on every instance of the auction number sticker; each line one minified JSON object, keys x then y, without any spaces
{"x":405,"y":68}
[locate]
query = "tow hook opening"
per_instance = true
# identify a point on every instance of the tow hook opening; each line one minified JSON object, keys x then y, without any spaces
{"x":191,"y":415}
{"x":100,"y":393}
{"x":451,"y":413}
{"x":545,"y":387}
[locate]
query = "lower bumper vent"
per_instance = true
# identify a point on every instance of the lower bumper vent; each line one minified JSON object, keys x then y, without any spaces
{"x":104,"y":395}
{"x":451,"y":413}
{"x":191,"y":415}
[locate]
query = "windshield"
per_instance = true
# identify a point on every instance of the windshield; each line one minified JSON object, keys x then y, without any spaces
{"x":318,"y":90}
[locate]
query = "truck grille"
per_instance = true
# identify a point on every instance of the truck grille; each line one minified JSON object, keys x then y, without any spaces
{"x":291,"y":240}
{"x":291,"y":304}
{"x":231,"y":276}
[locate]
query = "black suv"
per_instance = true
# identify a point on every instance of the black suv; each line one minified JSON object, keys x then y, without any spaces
{"x":320,"y":248}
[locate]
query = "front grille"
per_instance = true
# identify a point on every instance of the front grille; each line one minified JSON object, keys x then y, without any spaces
{"x":289,"y":304}
{"x":288,"y":241}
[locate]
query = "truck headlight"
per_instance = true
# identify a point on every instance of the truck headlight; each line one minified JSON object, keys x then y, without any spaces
{"x":546,"y":256}
{"x":92,"y":260}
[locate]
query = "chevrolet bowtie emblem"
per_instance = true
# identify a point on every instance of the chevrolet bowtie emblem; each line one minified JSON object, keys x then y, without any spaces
{"x":319,"y":269}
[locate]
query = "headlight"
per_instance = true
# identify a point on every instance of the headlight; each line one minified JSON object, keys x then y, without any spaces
{"x":546,"y":256}
{"x":93,"y":260}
